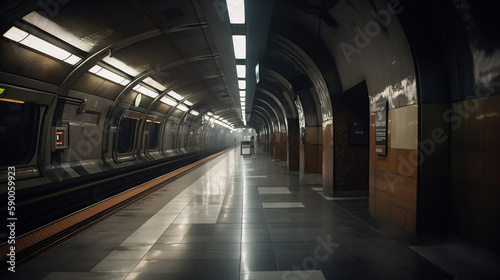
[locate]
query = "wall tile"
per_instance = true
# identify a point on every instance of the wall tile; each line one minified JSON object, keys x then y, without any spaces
{"x":293,"y":145}
{"x":436,"y":166}
{"x":403,"y":127}
{"x":284,"y":146}
{"x":382,"y":209}
{"x":371,"y":182}
{"x":491,"y":167}
{"x":372,"y":130}
{"x":472,"y":166}
{"x":398,"y":216}
{"x":311,"y":159}
{"x":312,"y":135}
{"x":467,"y":125}
{"x":405,"y":193}
{"x":434,"y":127}
{"x":492,"y":124}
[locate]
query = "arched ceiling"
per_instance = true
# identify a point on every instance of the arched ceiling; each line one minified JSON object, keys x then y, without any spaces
{"x":183,"y":46}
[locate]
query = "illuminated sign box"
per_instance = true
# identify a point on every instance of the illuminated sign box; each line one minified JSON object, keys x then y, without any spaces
{"x":60,"y":134}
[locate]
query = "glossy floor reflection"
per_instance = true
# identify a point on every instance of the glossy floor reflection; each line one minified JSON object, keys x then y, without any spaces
{"x":233,"y":218}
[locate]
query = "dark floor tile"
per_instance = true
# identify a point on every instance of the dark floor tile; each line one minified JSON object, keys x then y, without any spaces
{"x":31,"y":275}
{"x":226,"y":231}
{"x":256,"y":246}
{"x":219,"y":275}
{"x":161,"y":266}
{"x":281,"y":225}
{"x":222,"y":255}
{"x":299,"y":259}
{"x":163,"y":276}
{"x":197,"y":239}
{"x":286,"y":237}
{"x":174,"y":255}
{"x":255,"y":226}
{"x":289,"y":245}
{"x":226,"y":238}
{"x":228,"y":225}
{"x":179,"y":247}
{"x":224,"y":246}
{"x":256,"y":238}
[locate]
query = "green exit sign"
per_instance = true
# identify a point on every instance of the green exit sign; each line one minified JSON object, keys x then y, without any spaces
{"x":2,"y":90}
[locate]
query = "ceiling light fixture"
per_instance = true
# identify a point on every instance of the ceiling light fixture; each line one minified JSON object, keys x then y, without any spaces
{"x":168,"y":101}
{"x":152,"y":82}
{"x":240,"y":46}
{"x":175,"y":95}
{"x":24,"y":38}
{"x":236,"y":10}
{"x":242,"y":84}
{"x":146,"y":91}
{"x":111,"y":76}
{"x":241,"y":71}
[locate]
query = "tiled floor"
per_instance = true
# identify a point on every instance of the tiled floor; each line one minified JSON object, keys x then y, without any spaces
{"x":233,"y":218}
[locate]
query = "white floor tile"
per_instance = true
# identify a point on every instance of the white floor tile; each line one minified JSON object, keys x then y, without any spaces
{"x":282,"y":205}
{"x":274,"y":190}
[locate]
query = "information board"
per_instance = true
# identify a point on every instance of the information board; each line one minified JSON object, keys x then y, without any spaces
{"x":381,"y":128}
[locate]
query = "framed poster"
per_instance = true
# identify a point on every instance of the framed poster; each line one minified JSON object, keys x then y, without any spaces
{"x":381,"y":128}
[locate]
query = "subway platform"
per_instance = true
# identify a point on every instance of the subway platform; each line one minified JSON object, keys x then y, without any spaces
{"x":237,"y":217}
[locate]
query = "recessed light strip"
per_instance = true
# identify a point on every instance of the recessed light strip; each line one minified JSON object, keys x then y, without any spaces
{"x":29,"y":40}
{"x":236,"y":10}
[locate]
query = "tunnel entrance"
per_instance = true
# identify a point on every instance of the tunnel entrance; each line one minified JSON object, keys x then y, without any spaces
{"x":351,"y":138}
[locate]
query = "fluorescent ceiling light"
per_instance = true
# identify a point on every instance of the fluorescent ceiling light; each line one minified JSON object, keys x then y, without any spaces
{"x":168,"y":101}
{"x":240,"y":46}
{"x":210,"y":113}
{"x":194,"y":113}
{"x":22,"y":37}
{"x":16,"y":34}
{"x":175,"y":95}
{"x":188,"y":103}
{"x":121,"y":66}
{"x":236,"y":10}
{"x":241,"y":71}
{"x":105,"y":73}
{"x":242,"y":93}
{"x":182,"y":107}
{"x":242,"y":99}
{"x":242,"y":84}
{"x":150,"y":81}
{"x":146,"y":91}
{"x":73,"y":59}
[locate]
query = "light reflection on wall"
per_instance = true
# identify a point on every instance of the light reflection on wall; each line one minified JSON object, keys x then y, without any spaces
{"x":400,"y":94}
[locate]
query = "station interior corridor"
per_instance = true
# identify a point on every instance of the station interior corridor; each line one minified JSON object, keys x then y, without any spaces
{"x":245,"y":217}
